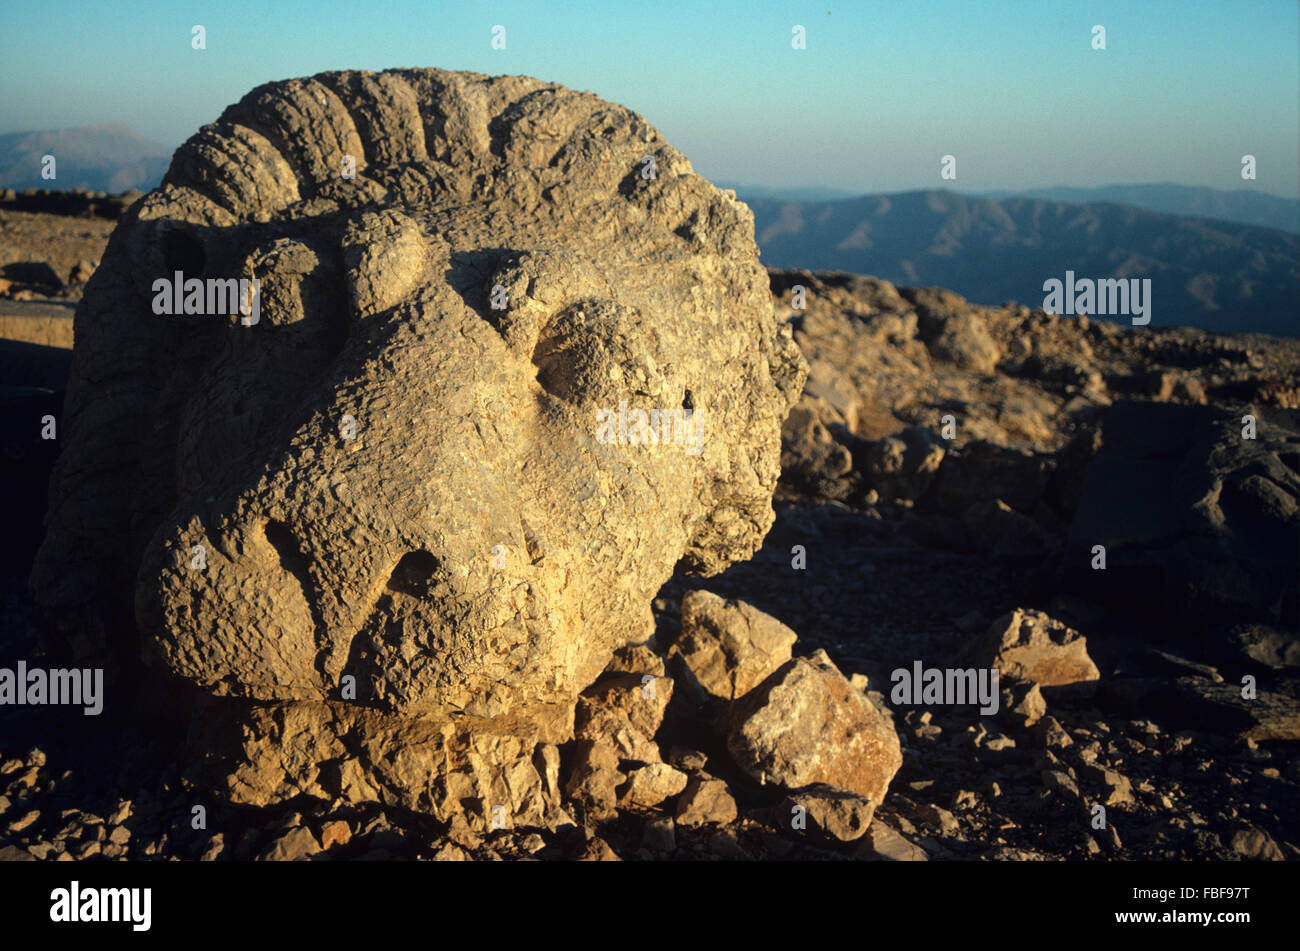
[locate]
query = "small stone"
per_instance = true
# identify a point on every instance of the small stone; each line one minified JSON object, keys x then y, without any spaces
{"x":705,"y":801}
{"x":450,"y":852}
{"x":596,"y":849}
{"x":729,"y":647}
{"x":460,"y":833}
{"x":121,"y":835}
{"x":81,"y":271}
{"x":296,"y":845}
{"x":937,"y":817}
{"x":532,"y":843}
{"x":806,"y":724}
{"x":829,"y":812}
{"x":652,"y":784}
{"x":18,"y":825}
{"x":1058,"y":781}
{"x":1251,"y":842}
{"x":1051,"y":735}
{"x":334,"y":833}
{"x":1022,"y":704}
{"x":691,"y":761}
{"x":1029,"y":645}
{"x":1119,"y":791}
{"x":998,"y":742}
{"x":1110,"y":838}
{"x":883,"y":843}
{"x":594,"y":778}
{"x":216,"y":845}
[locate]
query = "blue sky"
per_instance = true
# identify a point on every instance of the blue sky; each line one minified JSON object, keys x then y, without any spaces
{"x":1012,"y":88}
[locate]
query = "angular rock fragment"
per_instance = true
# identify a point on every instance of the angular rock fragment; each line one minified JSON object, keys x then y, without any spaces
{"x":1031,"y":646}
{"x":624,"y":712}
{"x":1022,"y":704}
{"x":296,"y":845}
{"x":903,"y":466}
{"x":832,"y":813}
{"x":807,"y":724}
{"x":651,"y":784}
{"x":1118,"y":789}
{"x":811,"y":456}
{"x":1251,"y":842}
{"x":594,"y":778}
{"x":729,"y":647}
{"x":706,"y":801}
{"x":884,"y":843}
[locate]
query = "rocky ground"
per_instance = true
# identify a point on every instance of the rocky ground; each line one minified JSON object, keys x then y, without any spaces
{"x":948,"y":465}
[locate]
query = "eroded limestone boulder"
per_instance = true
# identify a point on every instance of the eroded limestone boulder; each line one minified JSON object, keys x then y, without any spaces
{"x":512,"y":361}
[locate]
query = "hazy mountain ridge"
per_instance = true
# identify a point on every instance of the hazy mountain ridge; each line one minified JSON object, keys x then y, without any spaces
{"x":1243,"y":205}
{"x":1205,"y":273}
{"x":107,"y":158}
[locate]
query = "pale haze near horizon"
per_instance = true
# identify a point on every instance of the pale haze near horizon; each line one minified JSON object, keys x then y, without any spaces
{"x":1014,"y":91}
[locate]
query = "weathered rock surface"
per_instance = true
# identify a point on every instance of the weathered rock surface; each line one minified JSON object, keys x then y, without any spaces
{"x":807,"y":724}
{"x":1029,"y":645}
{"x":729,"y":647}
{"x":624,"y":712}
{"x":706,"y":801}
{"x":651,"y":784}
{"x":830,"y":812}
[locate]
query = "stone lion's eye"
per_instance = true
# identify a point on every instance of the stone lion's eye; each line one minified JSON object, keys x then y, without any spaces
{"x":596,"y":352}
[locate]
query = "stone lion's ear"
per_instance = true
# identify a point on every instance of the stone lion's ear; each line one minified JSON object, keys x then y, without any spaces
{"x":384,"y":256}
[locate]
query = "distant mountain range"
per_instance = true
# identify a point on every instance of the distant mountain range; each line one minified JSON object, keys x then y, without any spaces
{"x":1243,"y":206}
{"x":793,"y":193}
{"x":1218,"y":260}
{"x":1205,"y":273}
{"x":107,"y":158}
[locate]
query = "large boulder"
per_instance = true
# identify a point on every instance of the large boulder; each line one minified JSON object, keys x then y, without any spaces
{"x":511,"y":362}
